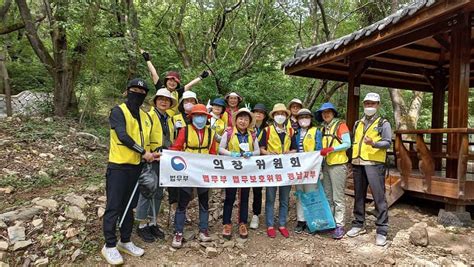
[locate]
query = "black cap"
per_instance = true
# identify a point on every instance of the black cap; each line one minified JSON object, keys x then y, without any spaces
{"x":261,"y":107}
{"x":139,"y":83}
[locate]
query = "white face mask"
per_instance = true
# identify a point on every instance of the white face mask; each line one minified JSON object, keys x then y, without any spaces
{"x":304,"y":122}
{"x":188,"y":107}
{"x":280,"y":119}
{"x":370,"y":111}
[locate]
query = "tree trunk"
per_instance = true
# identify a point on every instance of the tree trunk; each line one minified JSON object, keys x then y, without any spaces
{"x":177,"y":36}
{"x":6,"y":81}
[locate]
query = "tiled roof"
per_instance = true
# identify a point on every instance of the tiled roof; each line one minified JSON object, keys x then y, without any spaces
{"x":302,"y":55}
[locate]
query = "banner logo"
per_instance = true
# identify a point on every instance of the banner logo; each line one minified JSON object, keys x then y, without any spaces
{"x":178,"y":163}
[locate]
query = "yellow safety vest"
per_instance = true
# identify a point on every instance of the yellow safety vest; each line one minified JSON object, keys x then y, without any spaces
{"x":330,"y":139}
{"x":225,"y":118}
{"x":192,"y":143}
{"x":273,"y":140}
{"x":156,"y":138}
{"x":121,"y":154}
{"x":233,"y":144}
{"x":174,"y":110}
{"x":309,"y":140}
{"x":179,"y":118}
{"x":219,"y":126}
{"x":364,"y":151}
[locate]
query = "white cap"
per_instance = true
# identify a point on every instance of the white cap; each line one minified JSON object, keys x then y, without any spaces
{"x":189,"y":94}
{"x":372,"y":97}
{"x":166,"y":93}
{"x":295,"y":101}
{"x":226,"y":97}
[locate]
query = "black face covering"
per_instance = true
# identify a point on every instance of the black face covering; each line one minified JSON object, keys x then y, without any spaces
{"x":135,"y":100}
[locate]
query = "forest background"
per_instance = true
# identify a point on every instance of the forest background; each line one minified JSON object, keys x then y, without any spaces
{"x":85,"y":51}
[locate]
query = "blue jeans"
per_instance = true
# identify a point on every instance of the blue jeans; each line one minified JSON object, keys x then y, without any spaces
{"x":144,"y":208}
{"x":270,"y":204}
{"x":180,"y":215}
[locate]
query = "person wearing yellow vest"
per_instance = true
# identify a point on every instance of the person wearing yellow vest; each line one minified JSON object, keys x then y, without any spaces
{"x":172,"y":81}
{"x":197,"y":137}
{"x":233,"y":101}
{"x":261,"y":116}
{"x":308,"y":138}
{"x":336,"y":140}
{"x":216,"y":121}
{"x":294,"y":106}
{"x":372,"y":138}
{"x":161,"y":138}
{"x":130,"y":130}
{"x":277,"y":139}
{"x":238,"y":141}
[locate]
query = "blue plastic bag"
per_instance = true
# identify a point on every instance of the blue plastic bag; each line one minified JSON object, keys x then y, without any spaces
{"x":317,"y":212}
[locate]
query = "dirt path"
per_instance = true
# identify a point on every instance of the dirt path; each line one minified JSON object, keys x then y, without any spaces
{"x":447,"y":246}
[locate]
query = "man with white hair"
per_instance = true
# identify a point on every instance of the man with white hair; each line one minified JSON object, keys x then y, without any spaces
{"x":372,"y":138}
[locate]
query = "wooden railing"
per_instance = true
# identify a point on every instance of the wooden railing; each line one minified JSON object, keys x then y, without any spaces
{"x":427,"y":159}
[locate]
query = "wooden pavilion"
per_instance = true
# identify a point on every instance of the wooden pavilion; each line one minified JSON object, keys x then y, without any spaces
{"x":427,"y":46}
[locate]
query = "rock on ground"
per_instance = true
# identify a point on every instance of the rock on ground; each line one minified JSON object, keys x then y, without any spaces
{"x":74,"y":212}
{"x":16,"y":233}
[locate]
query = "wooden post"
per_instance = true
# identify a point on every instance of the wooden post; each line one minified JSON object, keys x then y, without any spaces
{"x":458,"y":86}
{"x":437,"y":115}
{"x":353,"y":91}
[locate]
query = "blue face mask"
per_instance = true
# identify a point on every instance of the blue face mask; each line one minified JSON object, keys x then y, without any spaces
{"x":199,"y":121}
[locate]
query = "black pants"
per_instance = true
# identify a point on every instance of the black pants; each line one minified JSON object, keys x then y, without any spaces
{"x":230,"y":194}
{"x":257,"y":200}
{"x":119,"y":187}
{"x":373,"y":176}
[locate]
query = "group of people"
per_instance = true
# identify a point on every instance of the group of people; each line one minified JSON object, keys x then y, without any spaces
{"x":177,"y":121}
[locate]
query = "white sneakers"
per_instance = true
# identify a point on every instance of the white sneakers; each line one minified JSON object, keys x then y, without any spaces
{"x":113,"y":257}
{"x":130,"y":249}
{"x":254,"y":222}
{"x":177,"y":240}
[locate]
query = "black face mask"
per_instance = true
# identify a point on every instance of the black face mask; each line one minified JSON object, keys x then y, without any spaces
{"x":135,"y":100}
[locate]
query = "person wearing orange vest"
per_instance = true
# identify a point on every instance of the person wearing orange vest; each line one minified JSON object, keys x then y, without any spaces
{"x":277,"y":139}
{"x":336,"y":140}
{"x":130,"y":130}
{"x":161,"y":138}
{"x":372,"y":138}
{"x":238,"y":141}
{"x":197,"y":137}
{"x":233,"y":101}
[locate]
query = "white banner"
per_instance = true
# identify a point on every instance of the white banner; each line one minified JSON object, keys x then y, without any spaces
{"x":182,"y":169}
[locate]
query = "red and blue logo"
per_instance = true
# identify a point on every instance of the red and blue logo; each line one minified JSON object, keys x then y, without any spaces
{"x":178,"y":163}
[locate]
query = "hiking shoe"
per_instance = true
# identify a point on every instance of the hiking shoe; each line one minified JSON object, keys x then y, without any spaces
{"x":355,"y":231}
{"x":243,"y":231}
{"x":112,"y":255}
{"x":204,"y":236}
{"x":254,"y":222}
{"x":130,"y":249}
{"x":177,"y":240}
{"x":271,"y":232}
{"x":300,"y":227}
{"x":146,"y":234}
{"x":227,"y":231}
{"x":380,"y":240}
{"x":284,"y":232}
{"x":338,"y":233}
{"x":157,"y":232}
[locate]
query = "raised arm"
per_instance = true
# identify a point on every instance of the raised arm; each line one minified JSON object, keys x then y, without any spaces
{"x":189,"y":85}
{"x":151,"y":68}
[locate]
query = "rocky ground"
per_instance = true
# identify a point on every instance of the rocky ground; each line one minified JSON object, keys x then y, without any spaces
{"x":52,"y":200}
